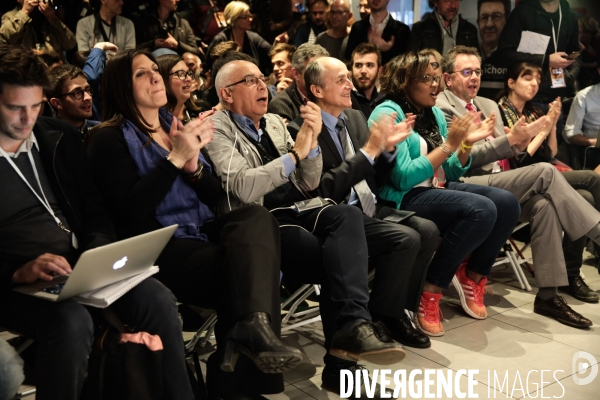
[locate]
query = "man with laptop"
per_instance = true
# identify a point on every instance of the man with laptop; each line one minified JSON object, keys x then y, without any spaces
{"x":50,"y":213}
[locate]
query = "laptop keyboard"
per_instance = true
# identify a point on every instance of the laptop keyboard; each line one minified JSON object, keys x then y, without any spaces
{"x":54,"y":289}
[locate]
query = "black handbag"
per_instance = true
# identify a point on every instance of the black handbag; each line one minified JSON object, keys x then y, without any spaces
{"x":122,"y":371}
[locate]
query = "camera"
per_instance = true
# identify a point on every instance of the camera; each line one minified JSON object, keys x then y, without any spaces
{"x":53,"y":3}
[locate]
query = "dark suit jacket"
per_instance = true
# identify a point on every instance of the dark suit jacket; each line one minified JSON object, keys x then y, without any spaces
{"x":339,"y":175}
{"x":287,"y":104}
{"x":360,"y":33}
{"x":427,"y":34}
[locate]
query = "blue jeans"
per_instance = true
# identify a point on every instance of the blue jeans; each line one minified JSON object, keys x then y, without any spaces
{"x":11,"y":371}
{"x":472,"y":219}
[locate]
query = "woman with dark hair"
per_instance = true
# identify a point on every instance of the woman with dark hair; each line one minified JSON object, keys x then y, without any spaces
{"x":521,"y":85}
{"x":473,"y":220}
{"x":152,"y":174}
{"x":179,"y":81}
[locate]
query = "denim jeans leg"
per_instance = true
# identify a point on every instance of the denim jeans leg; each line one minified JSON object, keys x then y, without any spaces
{"x":464,"y":220}
{"x":507,"y":215}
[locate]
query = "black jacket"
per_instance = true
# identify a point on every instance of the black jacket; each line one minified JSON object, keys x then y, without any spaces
{"x":530,"y":16}
{"x":148,"y":25}
{"x":360,"y":33}
{"x":427,"y":34}
{"x":340,"y":175}
{"x":131,"y":199}
{"x":254,"y":46}
{"x":364,"y":105}
{"x":70,"y":176}
{"x":287,"y":104}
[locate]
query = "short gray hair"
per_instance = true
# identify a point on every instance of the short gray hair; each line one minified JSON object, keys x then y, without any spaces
{"x":223,"y":77}
{"x":314,"y":76}
{"x":305,"y":52}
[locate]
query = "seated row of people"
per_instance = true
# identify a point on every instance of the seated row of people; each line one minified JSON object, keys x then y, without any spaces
{"x":218,"y":177}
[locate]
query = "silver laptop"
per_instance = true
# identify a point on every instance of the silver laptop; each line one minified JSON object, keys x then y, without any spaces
{"x":104,"y":265}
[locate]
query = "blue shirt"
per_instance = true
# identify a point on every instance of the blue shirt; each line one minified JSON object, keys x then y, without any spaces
{"x":250,"y":130}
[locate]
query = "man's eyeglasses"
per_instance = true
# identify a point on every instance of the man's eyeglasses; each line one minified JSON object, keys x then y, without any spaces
{"x":468,"y":72}
{"x":429,"y":79}
{"x":496,"y":17}
{"x":77,"y":94}
{"x":337,"y":13}
{"x":182,"y":74}
{"x":250,"y":81}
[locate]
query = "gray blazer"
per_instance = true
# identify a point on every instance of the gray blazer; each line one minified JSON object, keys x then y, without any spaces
{"x":239,"y":165}
{"x":485,"y":152}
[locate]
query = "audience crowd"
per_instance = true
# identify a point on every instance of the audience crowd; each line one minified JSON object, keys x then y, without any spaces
{"x":292,"y":142}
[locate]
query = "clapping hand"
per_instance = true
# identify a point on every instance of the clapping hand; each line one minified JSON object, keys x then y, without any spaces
{"x":189,"y":139}
{"x":311,"y":129}
{"x":478,"y":132}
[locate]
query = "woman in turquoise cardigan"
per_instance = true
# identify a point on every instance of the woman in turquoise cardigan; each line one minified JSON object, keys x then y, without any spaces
{"x":473,"y":220}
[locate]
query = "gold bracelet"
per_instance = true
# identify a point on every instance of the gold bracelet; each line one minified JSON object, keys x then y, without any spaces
{"x":195,"y":176}
{"x":444,"y":147}
{"x":464,"y":147}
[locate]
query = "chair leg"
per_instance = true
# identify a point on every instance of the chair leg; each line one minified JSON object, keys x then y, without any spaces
{"x":519,"y":271}
{"x":208,"y":327}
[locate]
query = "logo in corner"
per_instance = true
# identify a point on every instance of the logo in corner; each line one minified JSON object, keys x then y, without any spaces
{"x":581,"y":367}
{"x":121,"y":263}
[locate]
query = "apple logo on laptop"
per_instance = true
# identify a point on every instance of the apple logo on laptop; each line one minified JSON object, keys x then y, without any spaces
{"x":121,"y":263}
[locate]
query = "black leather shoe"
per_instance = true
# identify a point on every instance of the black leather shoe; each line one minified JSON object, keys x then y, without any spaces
{"x":330,"y":380}
{"x":557,"y":308}
{"x":361,"y":342}
{"x":402,"y":331}
{"x":580,"y":290}
{"x":252,"y":336}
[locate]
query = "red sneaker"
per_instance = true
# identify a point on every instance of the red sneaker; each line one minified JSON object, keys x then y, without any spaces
{"x":428,"y":317}
{"x":471,"y":293}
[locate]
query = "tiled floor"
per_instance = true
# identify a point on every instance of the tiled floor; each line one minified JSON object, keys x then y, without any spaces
{"x":513,"y":342}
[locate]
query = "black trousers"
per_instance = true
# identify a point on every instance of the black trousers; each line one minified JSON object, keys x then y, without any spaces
{"x":64,"y":331}
{"x":334,"y":251}
{"x":236,"y":273}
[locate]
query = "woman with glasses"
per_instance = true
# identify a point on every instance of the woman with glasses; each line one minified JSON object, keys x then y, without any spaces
{"x":239,"y":22}
{"x":473,"y":220}
{"x":520,"y":87}
{"x":179,"y":81}
{"x":151,"y":172}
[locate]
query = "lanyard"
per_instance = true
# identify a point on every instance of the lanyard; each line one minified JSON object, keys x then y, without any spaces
{"x":557,"y":32}
{"x":44,"y":201}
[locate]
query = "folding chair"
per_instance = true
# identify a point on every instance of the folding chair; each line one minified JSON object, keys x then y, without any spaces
{"x":512,"y":255}
{"x":304,"y":317}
